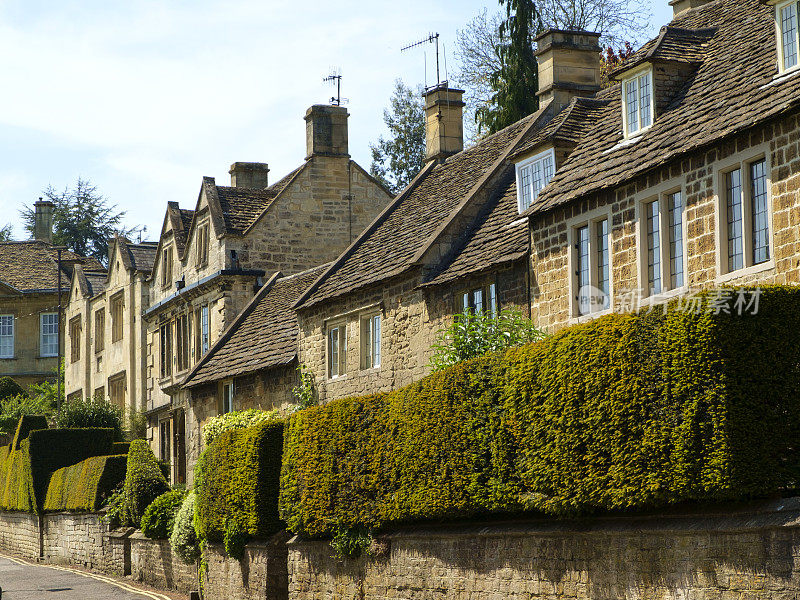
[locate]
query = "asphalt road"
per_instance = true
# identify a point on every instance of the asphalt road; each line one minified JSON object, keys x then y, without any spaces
{"x":21,"y":580}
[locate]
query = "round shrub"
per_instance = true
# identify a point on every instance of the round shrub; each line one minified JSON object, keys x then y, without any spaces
{"x":236,"y":420}
{"x":10,"y":388}
{"x":184,"y":536}
{"x":159,"y":517}
{"x":91,"y":413}
{"x":144,"y":482}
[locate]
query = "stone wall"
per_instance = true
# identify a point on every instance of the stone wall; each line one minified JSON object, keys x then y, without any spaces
{"x":752,"y":554}
{"x":75,"y":539}
{"x":699,"y":177}
{"x":262,"y":573}
{"x":153,"y":562}
{"x":19,"y":533}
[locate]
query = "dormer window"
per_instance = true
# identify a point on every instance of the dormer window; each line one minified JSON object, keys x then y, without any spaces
{"x":788,"y":41}
{"x":637,"y":102}
{"x":532,"y":175}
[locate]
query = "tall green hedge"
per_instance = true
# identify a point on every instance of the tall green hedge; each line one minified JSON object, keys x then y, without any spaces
{"x":144,"y":482}
{"x":625,"y":412}
{"x":84,"y":486}
{"x":237,"y":478}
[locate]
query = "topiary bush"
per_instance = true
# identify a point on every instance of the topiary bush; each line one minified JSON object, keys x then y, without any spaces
{"x":237,"y":478}
{"x":184,"y":540}
{"x":159,"y":518}
{"x":10,"y":388}
{"x":93,"y":412}
{"x":218,"y":425}
{"x":144,"y":482}
{"x":85,"y":486}
{"x":234,"y":539}
{"x":625,"y":412}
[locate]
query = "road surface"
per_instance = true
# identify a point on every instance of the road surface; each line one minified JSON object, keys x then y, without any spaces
{"x":22,"y":580}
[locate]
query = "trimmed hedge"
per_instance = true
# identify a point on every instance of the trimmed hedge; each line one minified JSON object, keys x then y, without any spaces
{"x":237,"y":478}
{"x":159,"y":517}
{"x":144,"y":482}
{"x":26,"y":424}
{"x":84,"y":486}
{"x":120,"y":447}
{"x":625,"y":412}
{"x":9,"y":388}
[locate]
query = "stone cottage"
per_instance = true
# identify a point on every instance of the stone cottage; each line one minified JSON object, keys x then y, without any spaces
{"x":212,"y":260}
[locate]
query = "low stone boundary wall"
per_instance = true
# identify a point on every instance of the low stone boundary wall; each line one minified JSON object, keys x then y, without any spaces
{"x":19,"y":533}
{"x":752,"y":553}
{"x":262,"y":573}
{"x":75,"y":539}
{"x":153,"y":562}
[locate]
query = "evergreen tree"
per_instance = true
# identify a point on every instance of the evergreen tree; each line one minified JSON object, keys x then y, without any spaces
{"x":516,"y":81}
{"x":398,"y":159}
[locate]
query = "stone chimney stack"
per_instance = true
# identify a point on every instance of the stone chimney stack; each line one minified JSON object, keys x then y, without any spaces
{"x":444,"y":122}
{"x":326,"y":131}
{"x":43,"y":221}
{"x":681,"y":6}
{"x":249,"y":175}
{"x":569,"y":65}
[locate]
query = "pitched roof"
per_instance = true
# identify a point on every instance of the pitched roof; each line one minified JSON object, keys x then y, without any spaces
{"x":139,"y":257}
{"x":95,"y":281}
{"x":495,"y":239}
{"x":241,"y":207}
{"x":263,"y":336}
{"x":391,"y":244}
{"x":32,"y":266}
{"x":733,"y":89}
{"x":673,"y":44}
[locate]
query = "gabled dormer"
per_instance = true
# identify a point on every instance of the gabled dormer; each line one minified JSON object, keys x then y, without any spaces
{"x":654,"y":76}
{"x":787,"y":32}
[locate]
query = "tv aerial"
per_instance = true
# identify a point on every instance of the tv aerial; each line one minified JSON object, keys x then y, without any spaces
{"x":433,"y":38}
{"x":335,"y":78}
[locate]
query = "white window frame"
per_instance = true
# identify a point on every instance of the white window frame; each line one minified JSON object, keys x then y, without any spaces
{"x":661,"y":193}
{"x":11,"y":336}
{"x":779,"y":35}
{"x":227,"y":393}
{"x":341,"y":370}
{"x":591,"y":219}
{"x":48,"y":350}
{"x":635,"y":75}
{"x":529,"y":164}
{"x":370,"y":343}
{"x":467,"y":300}
{"x":743,"y":160}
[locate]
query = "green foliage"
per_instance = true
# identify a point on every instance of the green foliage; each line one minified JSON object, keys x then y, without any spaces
{"x":120,"y":448}
{"x":85,"y":485}
{"x":25,"y":425}
{"x":12,"y":408}
{"x":10,"y":388}
{"x":144,"y":482}
{"x":114,"y":506}
{"x":184,"y":539}
{"x":474,"y":334}
{"x":93,"y":412}
{"x":239,"y":419}
{"x":625,"y":412}
{"x":159,"y":518}
{"x":351,"y":542}
{"x":397,"y":160}
{"x":83,"y":220}
{"x":237,"y":478}
{"x":516,"y":81}
{"x":305,"y":391}
{"x":7,"y":233}
{"x":235,"y":539}
{"x":136,"y":425}
{"x":47,"y":392}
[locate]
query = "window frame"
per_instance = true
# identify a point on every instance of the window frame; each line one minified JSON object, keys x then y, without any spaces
{"x":99,"y":329}
{"x":779,"y":36}
{"x":636,"y":74}
{"x":12,"y":336}
{"x":661,"y":193}
{"x":117,"y":383}
{"x":42,"y":353}
{"x":341,"y":359}
{"x":116,"y":307}
{"x":743,"y":162}
{"x":165,"y":348}
{"x":166,"y":267}
{"x":202,"y":328}
{"x":203,"y":242}
{"x":529,"y":163}
{"x":75,"y":330}
{"x":370,"y":346}
{"x":182,"y":341}
{"x":466,"y":299}
{"x":591,"y":220}
{"x":227,"y":393}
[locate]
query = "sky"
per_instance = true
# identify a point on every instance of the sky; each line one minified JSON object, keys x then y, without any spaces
{"x":146,"y":97}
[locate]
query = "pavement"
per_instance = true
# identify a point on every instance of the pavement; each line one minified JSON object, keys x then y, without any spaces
{"x":23,"y":580}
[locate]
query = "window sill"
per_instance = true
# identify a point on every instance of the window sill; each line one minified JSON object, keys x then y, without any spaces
{"x":663,"y":296}
{"x":782,"y":76}
{"x":628,"y":141}
{"x":746,"y":272}
{"x":46,"y":356}
{"x":368,"y":370}
{"x":2,"y":358}
{"x":590,"y":317}
{"x":338,"y":378}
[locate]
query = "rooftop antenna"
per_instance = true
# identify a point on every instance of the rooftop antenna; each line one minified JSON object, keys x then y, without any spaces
{"x":432,"y":38}
{"x":336,"y":79}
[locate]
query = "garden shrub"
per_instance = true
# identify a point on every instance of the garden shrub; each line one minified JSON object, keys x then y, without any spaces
{"x":144,"y":482}
{"x":239,"y":419}
{"x":625,"y":412}
{"x":93,"y":412}
{"x":10,"y":388}
{"x":13,"y":408}
{"x":120,"y":447}
{"x":237,"y":478}
{"x":25,"y":425}
{"x":184,"y":539}
{"x":234,"y":539}
{"x":85,"y":486}
{"x":159,"y":518}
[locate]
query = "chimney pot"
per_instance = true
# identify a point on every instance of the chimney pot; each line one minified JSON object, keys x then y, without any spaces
{"x":43,"y":220}
{"x":569,"y":65}
{"x":249,"y":175}
{"x":326,"y":131}
{"x":681,"y":6}
{"x":444,"y":122}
